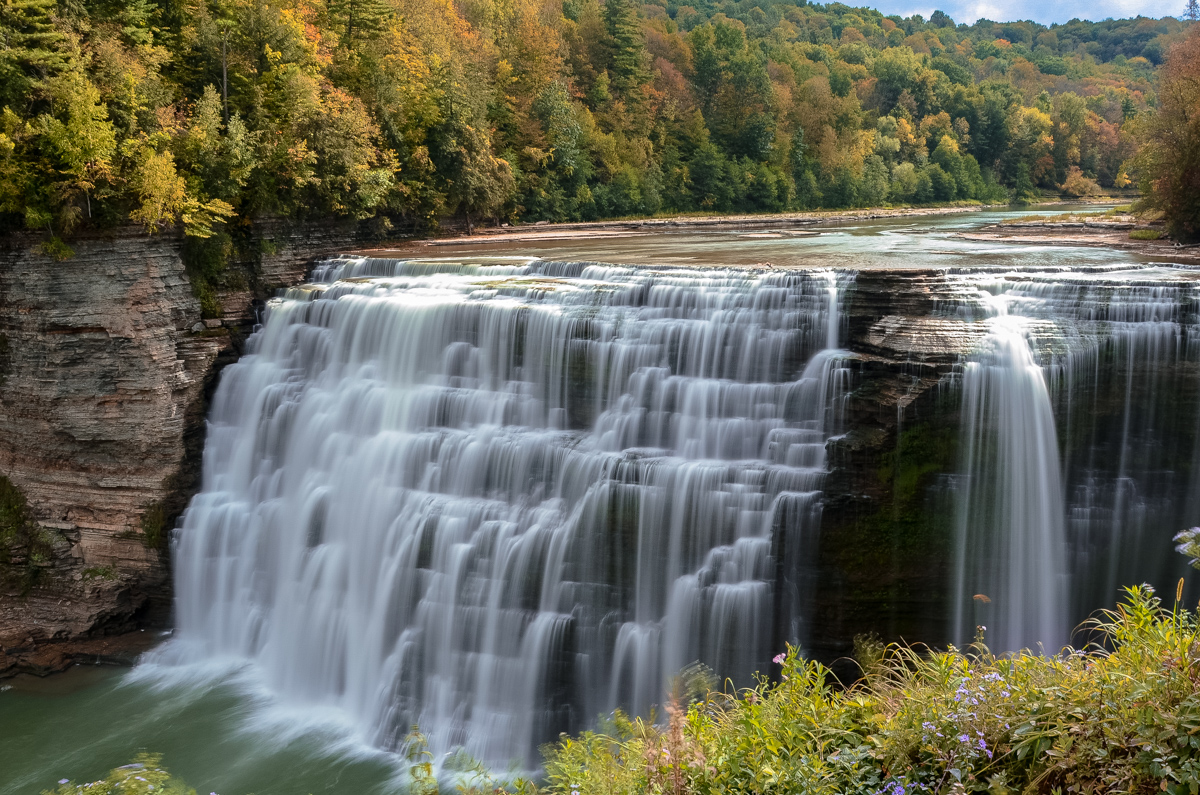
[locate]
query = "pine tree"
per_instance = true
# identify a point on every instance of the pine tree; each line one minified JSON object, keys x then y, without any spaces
{"x":1192,"y":11}
{"x":29,"y":48}
{"x":627,"y":47}
{"x":360,"y":19}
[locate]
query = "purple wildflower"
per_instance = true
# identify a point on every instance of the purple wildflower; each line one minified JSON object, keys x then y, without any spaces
{"x":779,"y":658}
{"x":964,"y":738}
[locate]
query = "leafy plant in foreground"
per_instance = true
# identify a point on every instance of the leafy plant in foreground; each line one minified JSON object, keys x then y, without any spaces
{"x":1120,"y":716}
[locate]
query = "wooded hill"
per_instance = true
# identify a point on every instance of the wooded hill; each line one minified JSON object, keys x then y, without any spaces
{"x":411,"y":111}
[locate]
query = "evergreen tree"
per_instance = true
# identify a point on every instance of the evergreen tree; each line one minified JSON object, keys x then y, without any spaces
{"x":1192,"y":11}
{"x":30,"y":48}
{"x":359,"y":20}
{"x":627,"y":48}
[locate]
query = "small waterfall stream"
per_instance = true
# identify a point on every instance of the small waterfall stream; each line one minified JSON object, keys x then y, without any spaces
{"x":497,"y":498}
{"x":1011,"y":546}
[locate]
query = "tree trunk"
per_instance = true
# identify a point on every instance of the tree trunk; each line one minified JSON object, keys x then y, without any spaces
{"x":225,"y":74}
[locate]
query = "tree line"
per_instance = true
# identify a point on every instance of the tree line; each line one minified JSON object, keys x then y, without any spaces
{"x":403,"y":112}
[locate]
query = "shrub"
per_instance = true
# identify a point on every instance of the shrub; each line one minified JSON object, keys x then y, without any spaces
{"x":1077,"y":185}
{"x":25,"y":548}
{"x":145,"y":776}
{"x":1122,"y":715}
{"x":1145,"y":234}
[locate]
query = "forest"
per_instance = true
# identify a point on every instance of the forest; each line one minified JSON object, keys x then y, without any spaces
{"x":405,"y":113}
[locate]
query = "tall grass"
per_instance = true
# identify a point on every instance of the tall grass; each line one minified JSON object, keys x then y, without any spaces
{"x":1120,"y":716}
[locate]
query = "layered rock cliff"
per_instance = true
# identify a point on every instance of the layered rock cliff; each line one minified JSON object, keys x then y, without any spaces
{"x":105,"y":368}
{"x":886,"y":541}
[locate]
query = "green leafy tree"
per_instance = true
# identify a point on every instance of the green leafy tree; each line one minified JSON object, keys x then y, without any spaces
{"x":81,"y":138}
{"x":357,"y":21}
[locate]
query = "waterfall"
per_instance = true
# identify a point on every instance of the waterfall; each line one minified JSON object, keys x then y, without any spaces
{"x":496,"y":498}
{"x":1011,"y":545}
{"x":1080,"y":448}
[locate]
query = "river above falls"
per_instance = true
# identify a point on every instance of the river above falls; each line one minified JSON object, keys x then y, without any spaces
{"x":922,"y":241}
{"x":239,"y":710}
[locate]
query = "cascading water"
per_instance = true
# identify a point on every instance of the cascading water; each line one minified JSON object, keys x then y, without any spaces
{"x":1081,"y":449}
{"x":496,"y":499}
{"x":1011,"y":548}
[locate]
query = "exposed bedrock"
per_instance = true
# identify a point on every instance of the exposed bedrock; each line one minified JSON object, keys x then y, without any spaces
{"x":105,"y":369}
{"x":886,"y":543}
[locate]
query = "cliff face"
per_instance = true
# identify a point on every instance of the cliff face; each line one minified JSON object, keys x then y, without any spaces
{"x":883,"y":559}
{"x":105,"y":368}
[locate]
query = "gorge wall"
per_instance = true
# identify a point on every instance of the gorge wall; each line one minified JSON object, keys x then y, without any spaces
{"x":105,"y":368}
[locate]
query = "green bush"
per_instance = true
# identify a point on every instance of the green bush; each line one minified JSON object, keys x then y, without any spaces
{"x":1122,"y":715}
{"x":145,"y":776}
{"x":1145,"y":234}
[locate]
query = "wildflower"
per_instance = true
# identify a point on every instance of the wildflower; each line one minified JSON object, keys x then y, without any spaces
{"x":779,"y":658}
{"x":63,"y":780}
{"x":1005,"y":693}
{"x":927,"y":726}
{"x":964,"y":738}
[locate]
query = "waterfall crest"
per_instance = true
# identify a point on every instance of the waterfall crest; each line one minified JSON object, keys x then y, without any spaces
{"x":497,"y":498}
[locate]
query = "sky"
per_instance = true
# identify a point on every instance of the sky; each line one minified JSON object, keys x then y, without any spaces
{"x":1044,"y":11}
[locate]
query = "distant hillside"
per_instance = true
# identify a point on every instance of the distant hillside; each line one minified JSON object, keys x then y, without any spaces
{"x":407,"y":111}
